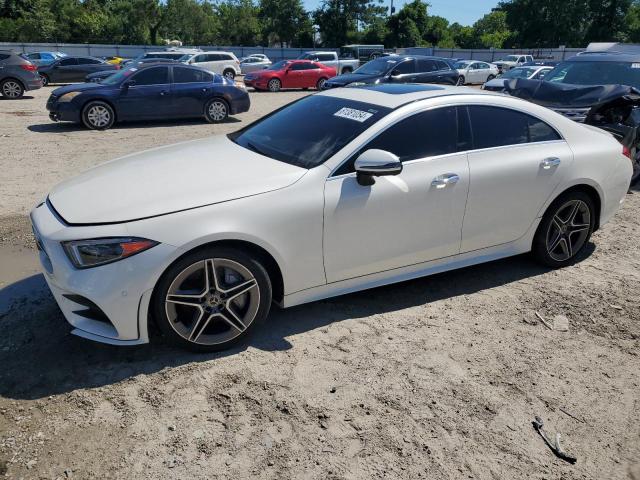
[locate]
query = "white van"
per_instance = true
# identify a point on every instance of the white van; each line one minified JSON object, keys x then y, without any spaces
{"x":224,"y":63}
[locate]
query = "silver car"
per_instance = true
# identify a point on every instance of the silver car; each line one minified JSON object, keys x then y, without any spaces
{"x":252,"y":64}
{"x":473,"y":71}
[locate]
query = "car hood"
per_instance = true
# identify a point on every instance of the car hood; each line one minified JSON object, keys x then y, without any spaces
{"x":169,"y":179}
{"x":353,"y":77}
{"x":78,"y":87}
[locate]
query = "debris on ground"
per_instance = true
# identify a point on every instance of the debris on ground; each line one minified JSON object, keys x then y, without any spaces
{"x":555,"y":447}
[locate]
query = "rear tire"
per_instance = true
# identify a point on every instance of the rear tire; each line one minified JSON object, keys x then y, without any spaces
{"x":98,"y":115}
{"x":45,"y":79}
{"x":565,"y":229}
{"x":11,"y":89}
{"x":216,"y":111}
{"x":490,"y":77}
{"x":213,"y":319}
{"x":274,"y":85}
{"x":320,"y":84}
{"x":460,"y":80}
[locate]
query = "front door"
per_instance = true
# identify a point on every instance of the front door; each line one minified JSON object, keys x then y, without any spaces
{"x":516,"y":166}
{"x":149,"y":95}
{"x":401,"y":220}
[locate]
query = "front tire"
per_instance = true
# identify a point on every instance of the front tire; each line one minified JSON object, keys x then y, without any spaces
{"x":216,"y":111}
{"x":212,"y":299}
{"x":274,"y":85}
{"x":346,"y":70}
{"x":98,"y":115}
{"x":490,"y":77}
{"x":565,"y":230}
{"x":45,"y":79}
{"x":460,"y":80}
{"x":11,"y":89}
{"x":230,"y":74}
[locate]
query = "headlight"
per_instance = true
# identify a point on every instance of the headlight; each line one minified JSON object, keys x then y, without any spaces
{"x":67,"y":97}
{"x":99,"y":251}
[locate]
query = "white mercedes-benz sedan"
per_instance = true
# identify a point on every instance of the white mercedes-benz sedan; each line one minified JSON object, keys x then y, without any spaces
{"x":341,"y":191}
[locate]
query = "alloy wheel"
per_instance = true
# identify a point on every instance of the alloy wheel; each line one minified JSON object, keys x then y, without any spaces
{"x":11,"y":89}
{"x":217,"y":111}
{"x":568,"y":230}
{"x":98,"y":116}
{"x":212,"y":301}
{"x":321,"y":83}
{"x":229,"y":74}
{"x":274,"y":85}
{"x":460,"y":80}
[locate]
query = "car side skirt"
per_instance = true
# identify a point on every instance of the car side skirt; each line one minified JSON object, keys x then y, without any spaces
{"x":517,"y":247}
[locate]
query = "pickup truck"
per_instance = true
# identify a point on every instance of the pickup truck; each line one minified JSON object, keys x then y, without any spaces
{"x":330,"y":59}
{"x":510,"y":61}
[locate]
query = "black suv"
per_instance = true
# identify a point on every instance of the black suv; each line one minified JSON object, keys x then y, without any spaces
{"x":399,"y":69}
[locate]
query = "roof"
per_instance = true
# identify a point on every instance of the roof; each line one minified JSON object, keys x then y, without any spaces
{"x":605,"y":57}
{"x":396,"y":95}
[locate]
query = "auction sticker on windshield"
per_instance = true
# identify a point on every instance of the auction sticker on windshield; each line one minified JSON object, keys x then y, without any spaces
{"x":353,"y":114}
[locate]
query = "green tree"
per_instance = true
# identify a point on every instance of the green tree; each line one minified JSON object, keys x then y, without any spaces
{"x":492,"y":30}
{"x":284,"y":21}
{"x":239,"y":22}
{"x":632,"y":22}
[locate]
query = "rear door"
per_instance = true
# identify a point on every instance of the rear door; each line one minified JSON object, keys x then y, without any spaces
{"x":516,"y":163}
{"x":297,"y":75}
{"x":427,"y":71}
{"x":190,"y":90}
{"x":148,"y":96}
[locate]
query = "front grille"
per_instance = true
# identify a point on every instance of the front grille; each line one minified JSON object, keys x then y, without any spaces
{"x":575,"y":114}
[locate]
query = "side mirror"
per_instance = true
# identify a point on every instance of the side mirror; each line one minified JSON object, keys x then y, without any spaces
{"x":128,"y":83}
{"x":376,"y":163}
{"x":395,"y":73}
{"x":541,"y":75}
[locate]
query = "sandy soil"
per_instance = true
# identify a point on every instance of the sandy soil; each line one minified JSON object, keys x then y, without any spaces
{"x":434,"y":378}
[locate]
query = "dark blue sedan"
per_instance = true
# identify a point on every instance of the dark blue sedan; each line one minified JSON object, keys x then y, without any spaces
{"x":149,"y":92}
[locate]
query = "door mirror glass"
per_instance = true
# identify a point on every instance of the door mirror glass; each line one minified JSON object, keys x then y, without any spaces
{"x":376,"y":163}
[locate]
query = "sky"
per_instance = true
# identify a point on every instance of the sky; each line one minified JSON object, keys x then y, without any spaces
{"x":465,"y":12}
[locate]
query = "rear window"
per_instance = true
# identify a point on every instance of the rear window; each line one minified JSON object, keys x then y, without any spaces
{"x":308,"y":132}
{"x":596,"y":73}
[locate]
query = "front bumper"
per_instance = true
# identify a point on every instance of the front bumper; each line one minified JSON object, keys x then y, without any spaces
{"x":62,"y":111}
{"x":108,"y":303}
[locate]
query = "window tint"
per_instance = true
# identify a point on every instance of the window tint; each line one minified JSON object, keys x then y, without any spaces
{"x":202,"y":58}
{"x":494,"y":127}
{"x":88,"y":61}
{"x":152,"y":76}
{"x":442,"y":65}
{"x":225,"y":56}
{"x":190,"y":75}
{"x":426,"y":65}
{"x":34,"y":56}
{"x":405,"y":67}
{"x":303,"y":66}
{"x":425,"y":134}
{"x":323,"y":57}
{"x":68,"y":61}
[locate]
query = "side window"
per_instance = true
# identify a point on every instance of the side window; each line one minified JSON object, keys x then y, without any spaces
{"x":302,"y":66}
{"x":225,"y":56}
{"x":34,"y":56}
{"x":408,"y":66}
{"x":442,"y":65}
{"x":201,"y":58}
{"x":190,"y":75}
{"x":152,"y":76}
{"x":3,"y":56}
{"x":494,"y":127}
{"x":324,"y":57}
{"x":426,"y":66}
{"x":68,"y":61}
{"x":88,"y":61}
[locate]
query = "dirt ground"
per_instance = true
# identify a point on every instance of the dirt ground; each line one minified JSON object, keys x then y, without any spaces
{"x":436,"y":378}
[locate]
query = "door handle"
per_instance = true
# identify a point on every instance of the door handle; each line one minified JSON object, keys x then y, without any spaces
{"x":547,"y":163}
{"x":441,"y":181}
{"x":163,"y":93}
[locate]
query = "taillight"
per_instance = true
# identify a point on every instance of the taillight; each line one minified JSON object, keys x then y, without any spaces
{"x":30,"y":67}
{"x":626,"y":152}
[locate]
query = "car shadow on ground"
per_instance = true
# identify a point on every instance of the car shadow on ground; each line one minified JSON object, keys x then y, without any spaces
{"x":65,"y":127}
{"x":39,"y":357}
{"x":24,"y":97}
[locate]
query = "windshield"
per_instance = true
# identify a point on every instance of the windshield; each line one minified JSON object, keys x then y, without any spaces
{"x":596,"y":73}
{"x":461,"y":65}
{"x":378,"y":66}
{"x":278,"y":65}
{"x":519,"y":73}
{"x":309,"y":131}
{"x":119,"y":76}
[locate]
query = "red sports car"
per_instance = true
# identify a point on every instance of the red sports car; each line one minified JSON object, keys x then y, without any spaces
{"x":290,"y":74}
